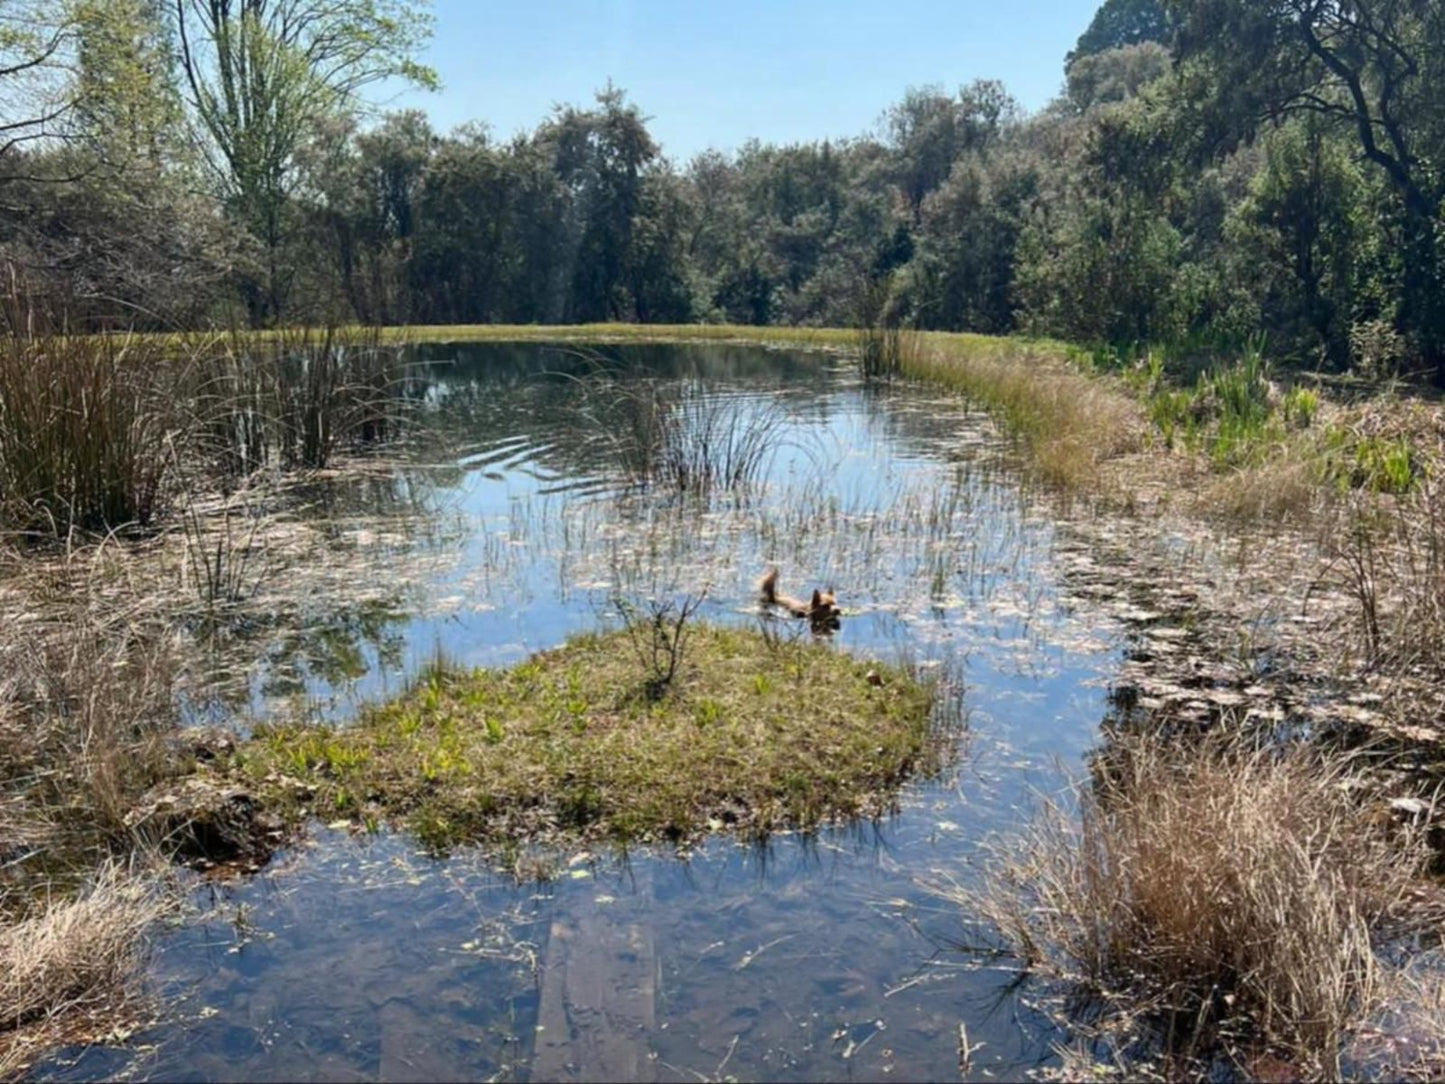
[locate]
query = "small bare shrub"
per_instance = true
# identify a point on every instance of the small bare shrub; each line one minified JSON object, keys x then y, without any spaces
{"x":1388,"y":554}
{"x":658,"y":631}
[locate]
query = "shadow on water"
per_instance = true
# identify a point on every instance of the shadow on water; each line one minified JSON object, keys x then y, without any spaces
{"x":507,"y":524}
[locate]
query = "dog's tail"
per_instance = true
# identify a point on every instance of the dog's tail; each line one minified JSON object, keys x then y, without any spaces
{"x":768,"y":585}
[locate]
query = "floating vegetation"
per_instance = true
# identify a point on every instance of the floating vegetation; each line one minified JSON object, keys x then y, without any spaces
{"x":753,"y":733}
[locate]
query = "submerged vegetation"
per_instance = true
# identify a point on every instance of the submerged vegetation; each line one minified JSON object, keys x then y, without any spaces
{"x":753,"y":733}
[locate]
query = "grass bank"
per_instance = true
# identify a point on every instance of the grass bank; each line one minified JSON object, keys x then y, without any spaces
{"x":751,"y":733}
{"x":1224,"y":434}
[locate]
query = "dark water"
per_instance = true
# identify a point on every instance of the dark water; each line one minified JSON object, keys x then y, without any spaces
{"x":511,"y":521}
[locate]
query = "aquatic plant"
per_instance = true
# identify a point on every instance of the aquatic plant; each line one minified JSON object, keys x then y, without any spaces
{"x":296,"y":398}
{"x":683,"y":438}
{"x":885,"y":351}
{"x":86,"y":425}
{"x":1069,"y":423}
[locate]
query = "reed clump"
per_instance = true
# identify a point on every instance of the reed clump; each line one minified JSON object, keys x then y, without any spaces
{"x":296,"y":398}
{"x":98,"y":432}
{"x":86,"y":429}
{"x":887,"y":351}
{"x":1234,"y":896}
{"x":681,"y":438}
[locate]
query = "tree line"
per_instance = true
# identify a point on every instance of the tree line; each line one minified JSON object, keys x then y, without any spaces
{"x":1212,"y":171}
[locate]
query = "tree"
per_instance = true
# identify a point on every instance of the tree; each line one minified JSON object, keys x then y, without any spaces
{"x":928,"y":131}
{"x":1301,"y":233}
{"x":1373,"y":67}
{"x":1118,"y":23}
{"x":260,"y":74}
{"x":37,"y":96}
{"x":1115,"y":75}
{"x":126,"y":104}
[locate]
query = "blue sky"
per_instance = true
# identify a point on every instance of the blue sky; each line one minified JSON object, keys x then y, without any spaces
{"x":715,"y":73}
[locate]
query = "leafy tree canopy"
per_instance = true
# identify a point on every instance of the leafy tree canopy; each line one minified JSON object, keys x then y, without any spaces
{"x":1123,"y":22}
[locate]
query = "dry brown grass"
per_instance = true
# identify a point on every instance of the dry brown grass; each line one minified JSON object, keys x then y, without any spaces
{"x":1283,"y":488}
{"x":64,"y":965}
{"x":1236,"y":895}
{"x":1070,"y":423}
{"x":86,"y":717}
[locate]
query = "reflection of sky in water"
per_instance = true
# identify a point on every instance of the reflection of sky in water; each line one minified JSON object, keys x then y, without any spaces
{"x":807,"y":959}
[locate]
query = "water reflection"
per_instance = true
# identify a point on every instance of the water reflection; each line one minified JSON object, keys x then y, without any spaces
{"x":504,"y":525}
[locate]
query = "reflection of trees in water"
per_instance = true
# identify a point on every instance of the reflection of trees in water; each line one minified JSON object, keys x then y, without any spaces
{"x":613,"y":412}
{"x":932,"y":426}
{"x":294,"y":647}
{"x":340,"y":647}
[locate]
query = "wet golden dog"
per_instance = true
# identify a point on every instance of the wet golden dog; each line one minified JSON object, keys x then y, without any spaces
{"x":821,"y":610}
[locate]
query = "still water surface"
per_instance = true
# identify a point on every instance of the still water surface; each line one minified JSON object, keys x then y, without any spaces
{"x":514,"y":519}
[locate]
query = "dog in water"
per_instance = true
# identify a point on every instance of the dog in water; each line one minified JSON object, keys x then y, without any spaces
{"x":821,"y":610}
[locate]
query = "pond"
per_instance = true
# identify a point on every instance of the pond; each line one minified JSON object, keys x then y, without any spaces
{"x":523,"y":509}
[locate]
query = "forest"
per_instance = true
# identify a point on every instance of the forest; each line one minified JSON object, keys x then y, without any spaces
{"x":1213,"y":173}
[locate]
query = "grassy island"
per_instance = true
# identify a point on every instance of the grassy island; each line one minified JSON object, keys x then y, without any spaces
{"x":751,"y":733}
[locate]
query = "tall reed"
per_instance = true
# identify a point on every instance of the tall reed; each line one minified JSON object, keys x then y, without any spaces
{"x":85,"y":429}
{"x":682,"y":438}
{"x":297,"y":398}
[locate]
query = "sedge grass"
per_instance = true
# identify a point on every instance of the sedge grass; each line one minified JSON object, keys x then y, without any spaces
{"x":86,"y":426}
{"x":66,"y":963}
{"x":1233,"y":896}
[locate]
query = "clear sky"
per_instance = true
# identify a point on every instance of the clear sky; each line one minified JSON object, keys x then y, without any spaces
{"x":717,"y":72}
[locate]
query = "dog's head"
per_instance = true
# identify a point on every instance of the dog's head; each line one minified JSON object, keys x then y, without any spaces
{"x":823,"y":610}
